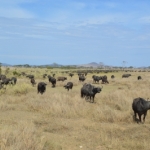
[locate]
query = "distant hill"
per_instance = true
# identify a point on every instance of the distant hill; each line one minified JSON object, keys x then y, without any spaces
{"x":52,"y":65}
{"x":92,"y":64}
{"x":5,"y":65}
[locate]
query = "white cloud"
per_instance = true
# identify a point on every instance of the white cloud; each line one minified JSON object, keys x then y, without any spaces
{"x":15,"y":13}
{"x":15,"y":2}
{"x":78,"y":5}
{"x":110,"y":4}
{"x":145,"y":19}
{"x":4,"y":37}
{"x":13,"y":9}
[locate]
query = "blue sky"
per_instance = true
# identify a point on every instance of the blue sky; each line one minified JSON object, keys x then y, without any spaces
{"x":75,"y":32}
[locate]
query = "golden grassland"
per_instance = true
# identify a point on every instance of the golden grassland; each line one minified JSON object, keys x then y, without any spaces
{"x":62,"y":120}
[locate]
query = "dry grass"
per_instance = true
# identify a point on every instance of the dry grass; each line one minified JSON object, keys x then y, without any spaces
{"x":59,"y":119}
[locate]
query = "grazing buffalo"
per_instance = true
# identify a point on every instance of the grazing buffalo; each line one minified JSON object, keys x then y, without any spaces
{"x":112,"y":76}
{"x":96,"y":78}
{"x":41,"y":88}
{"x":69,"y":85}
{"x":61,"y":78}
{"x":139,"y":77}
{"x":6,"y":81}
{"x":140,"y":107}
{"x":89,"y":91}
{"x":32,"y":81}
{"x":30,"y":76}
{"x":13,"y":80}
{"x":85,"y":73}
{"x":82,"y":78}
{"x":71,"y":74}
{"x":44,"y":75}
{"x":80,"y":74}
{"x":104,"y":79}
{"x":126,"y":75}
{"x":23,"y":73}
{"x":52,"y":80}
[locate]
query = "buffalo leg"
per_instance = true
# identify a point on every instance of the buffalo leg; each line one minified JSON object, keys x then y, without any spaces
{"x":134,"y":115}
{"x":139,"y":117}
{"x":144,"y":116}
{"x":93,"y":98}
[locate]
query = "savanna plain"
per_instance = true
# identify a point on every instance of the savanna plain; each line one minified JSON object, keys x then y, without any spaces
{"x":62,"y":120}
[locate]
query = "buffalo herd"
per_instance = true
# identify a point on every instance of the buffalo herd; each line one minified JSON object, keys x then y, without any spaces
{"x":6,"y":81}
{"x":88,"y":91}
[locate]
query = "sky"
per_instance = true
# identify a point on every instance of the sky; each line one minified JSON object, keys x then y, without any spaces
{"x":73,"y":32}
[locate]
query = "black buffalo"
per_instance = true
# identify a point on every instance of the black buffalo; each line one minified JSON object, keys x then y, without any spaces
{"x":13,"y":80}
{"x":140,"y":107}
{"x":85,"y":73}
{"x":104,"y":79}
{"x":41,"y":88}
{"x":61,"y":78}
{"x":126,"y":75}
{"x":69,"y":85}
{"x":81,"y":78}
{"x":44,"y":75}
{"x":30,"y":76}
{"x":80,"y":74}
{"x":139,"y":77}
{"x":112,"y":76}
{"x":89,"y":91}
{"x":96,"y":78}
{"x":23,"y":73}
{"x":52,"y":80}
{"x":71,"y":74}
{"x":32,"y":81}
{"x":6,"y":81}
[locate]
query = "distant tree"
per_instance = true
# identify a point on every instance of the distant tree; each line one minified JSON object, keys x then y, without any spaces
{"x":130,"y":67}
{"x":101,"y":64}
{"x":27,"y":65}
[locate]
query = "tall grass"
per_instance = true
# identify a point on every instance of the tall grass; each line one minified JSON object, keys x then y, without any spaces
{"x":23,"y":136}
{"x":59,"y":119}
